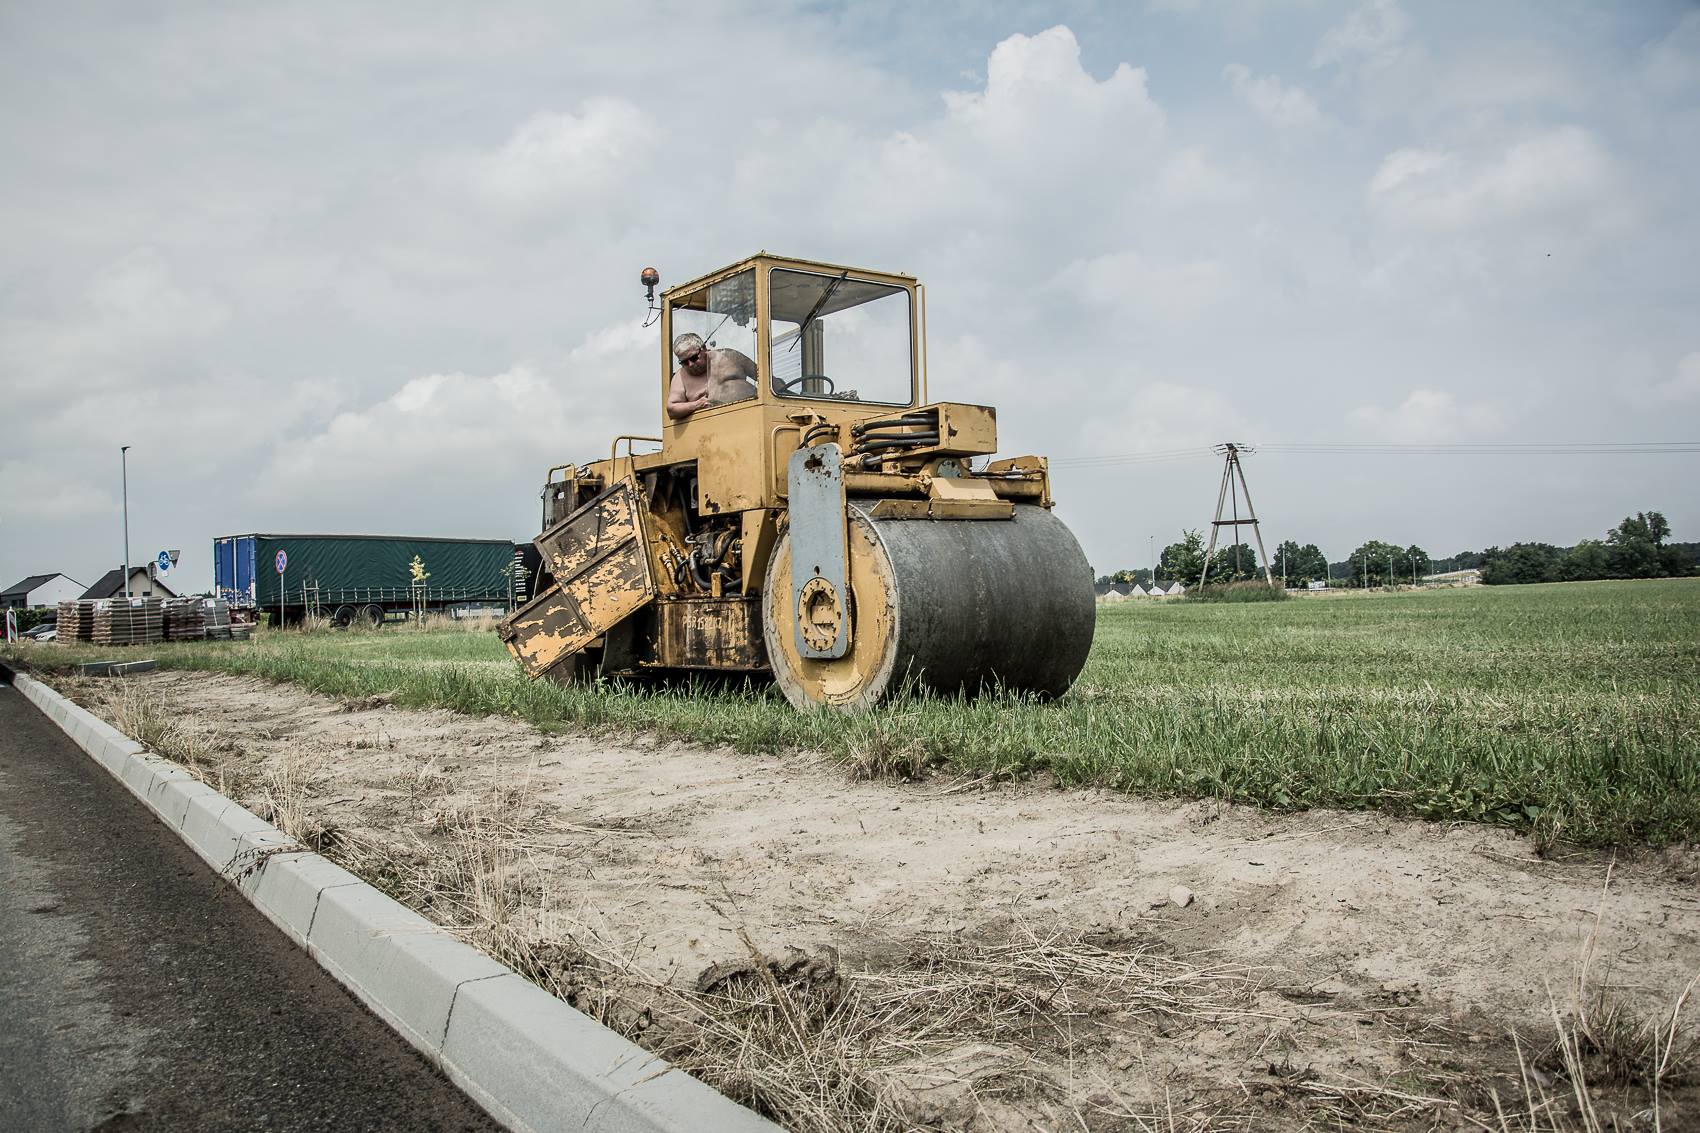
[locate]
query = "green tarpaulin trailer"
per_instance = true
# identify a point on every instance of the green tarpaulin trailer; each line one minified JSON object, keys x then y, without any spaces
{"x":366,"y":576}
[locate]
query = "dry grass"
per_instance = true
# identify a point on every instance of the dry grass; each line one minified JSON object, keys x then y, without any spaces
{"x":203,"y":753}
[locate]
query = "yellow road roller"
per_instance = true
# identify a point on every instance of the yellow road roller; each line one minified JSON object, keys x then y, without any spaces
{"x":809,"y":512}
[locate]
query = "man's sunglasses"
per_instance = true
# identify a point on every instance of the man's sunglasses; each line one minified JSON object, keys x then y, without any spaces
{"x":692,"y":359}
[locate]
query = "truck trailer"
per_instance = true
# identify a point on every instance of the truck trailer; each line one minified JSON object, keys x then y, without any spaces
{"x":371,"y":577}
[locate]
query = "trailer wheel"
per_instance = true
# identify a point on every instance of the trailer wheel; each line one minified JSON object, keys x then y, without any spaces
{"x":343,"y":617}
{"x":374,"y":614}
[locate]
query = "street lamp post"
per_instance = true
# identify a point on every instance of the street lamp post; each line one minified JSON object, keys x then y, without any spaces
{"x":124,"y":466}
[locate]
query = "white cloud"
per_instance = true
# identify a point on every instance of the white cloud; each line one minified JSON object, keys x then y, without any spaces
{"x":1162,"y":416}
{"x":34,"y":489}
{"x":132,"y":312}
{"x":1561,"y":173}
{"x":1673,"y":61}
{"x":1684,"y":385}
{"x":1372,"y":34}
{"x":1427,"y":416}
{"x":1036,"y":90}
{"x":1283,"y":106}
{"x":455,"y":435}
{"x":1144,"y":292}
{"x":1190,"y":178}
{"x":554,"y":156}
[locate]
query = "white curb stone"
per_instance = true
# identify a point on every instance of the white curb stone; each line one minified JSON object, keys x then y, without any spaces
{"x":288,"y":890}
{"x":524,"y":1059}
{"x":532,"y":1061}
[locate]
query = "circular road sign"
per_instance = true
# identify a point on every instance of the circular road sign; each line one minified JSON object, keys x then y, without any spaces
{"x":282,"y":560}
{"x":163,"y":562}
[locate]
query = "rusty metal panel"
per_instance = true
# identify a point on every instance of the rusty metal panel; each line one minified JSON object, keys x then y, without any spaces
{"x":732,"y":455}
{"x":711,"y":633}
{"x":600,"y":559}
{"x":943,"y":509}
{"x":542,"y":632}
{"x":606,"y":524}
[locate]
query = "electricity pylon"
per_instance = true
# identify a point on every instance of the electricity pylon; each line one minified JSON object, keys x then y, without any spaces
{"x":1233,"y":484}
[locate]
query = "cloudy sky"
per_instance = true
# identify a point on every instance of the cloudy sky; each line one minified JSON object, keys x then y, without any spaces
{"x":360,"y":268}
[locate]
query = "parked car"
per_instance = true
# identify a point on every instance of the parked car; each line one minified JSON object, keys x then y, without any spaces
{"x":46,"y":631}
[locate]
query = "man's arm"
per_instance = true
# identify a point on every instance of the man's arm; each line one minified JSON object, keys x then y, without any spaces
{"x":679,"y":406}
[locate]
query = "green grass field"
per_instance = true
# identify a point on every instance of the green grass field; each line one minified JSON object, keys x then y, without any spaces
{"x":1572,"y":710}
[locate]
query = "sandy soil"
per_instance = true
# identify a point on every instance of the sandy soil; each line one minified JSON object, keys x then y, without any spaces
{"x":1366,"y":954}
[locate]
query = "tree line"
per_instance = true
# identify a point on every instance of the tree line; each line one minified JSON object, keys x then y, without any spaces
{"x":1639,"y":547}
{"x":1636,"y":548}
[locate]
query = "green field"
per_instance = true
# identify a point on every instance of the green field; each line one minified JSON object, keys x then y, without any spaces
{"x":1572,"y":709}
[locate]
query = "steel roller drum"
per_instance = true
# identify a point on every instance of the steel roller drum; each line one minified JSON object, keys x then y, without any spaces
{"x":954,"y":605}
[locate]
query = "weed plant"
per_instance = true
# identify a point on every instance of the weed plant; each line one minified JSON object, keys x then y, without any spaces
{"x":1572,"y":710}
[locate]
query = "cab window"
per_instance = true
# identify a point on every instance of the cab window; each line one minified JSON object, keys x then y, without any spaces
{"x":833,"y":336}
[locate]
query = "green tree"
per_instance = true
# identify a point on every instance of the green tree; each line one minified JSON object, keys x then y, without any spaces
{"x":1586,"y":560}
{"x":1377,"y":563}
{"x":1417,"y":562}
{"x":1522,"y":563}
{"x":1183,"y":561}
{"x":1299,"y":565}
{"x":1235,"y":563}
{"x":1636,"y":548}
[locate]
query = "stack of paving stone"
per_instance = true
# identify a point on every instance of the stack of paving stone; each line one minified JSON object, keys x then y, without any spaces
{"x":76,"y":620}
{"x":128,"y":621}
{"x":215,"y":618}
{"x":183,"y":620}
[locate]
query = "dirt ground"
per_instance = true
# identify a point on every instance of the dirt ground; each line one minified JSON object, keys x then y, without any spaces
{"x":1207,"y":966}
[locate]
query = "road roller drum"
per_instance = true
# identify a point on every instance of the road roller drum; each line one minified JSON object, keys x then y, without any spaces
{"x":951,"y":606}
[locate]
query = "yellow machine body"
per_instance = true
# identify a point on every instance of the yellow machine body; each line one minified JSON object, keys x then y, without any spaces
{"x":828,"y":525}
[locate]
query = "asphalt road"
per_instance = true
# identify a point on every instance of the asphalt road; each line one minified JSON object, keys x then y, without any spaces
{"x":138,"y":991}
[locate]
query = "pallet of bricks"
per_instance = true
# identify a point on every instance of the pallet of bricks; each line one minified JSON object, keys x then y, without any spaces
{"x":128,"y":621}
{"x":183,"y":620}
{"x":76,"y":620}
{"x":215,"y":618}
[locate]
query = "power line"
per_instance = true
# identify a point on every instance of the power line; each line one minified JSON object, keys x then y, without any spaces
{"x":1388,"y":448}
{"x":1490,"y":448}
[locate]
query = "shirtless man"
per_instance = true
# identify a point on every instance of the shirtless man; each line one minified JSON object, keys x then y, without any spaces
{"x":707,"y":376}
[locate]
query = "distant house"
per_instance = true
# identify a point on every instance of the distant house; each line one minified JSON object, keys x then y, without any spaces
{"x":142,"y":584}
{"x":1111,"y":594}
{"x":1176,"y":590}
{"x":40,"y":590}
{"x":1471,"y":577}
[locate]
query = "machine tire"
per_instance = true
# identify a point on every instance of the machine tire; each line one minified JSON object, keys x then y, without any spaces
{"x":374,"y":614}
{"x":342,"y":617}
{"x":946,"y":605}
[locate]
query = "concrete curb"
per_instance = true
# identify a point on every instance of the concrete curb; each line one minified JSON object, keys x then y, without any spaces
{"x":534,"y":1063}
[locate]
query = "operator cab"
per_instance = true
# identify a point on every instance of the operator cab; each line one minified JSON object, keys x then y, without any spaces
{"x":815,"y":332}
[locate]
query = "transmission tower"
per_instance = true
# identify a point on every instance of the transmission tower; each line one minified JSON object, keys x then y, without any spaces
{"x":1233,"y":486}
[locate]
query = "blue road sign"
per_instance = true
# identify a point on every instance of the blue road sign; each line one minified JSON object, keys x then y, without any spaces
{"x":164,"y":562}
{"x":282,"y":560}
